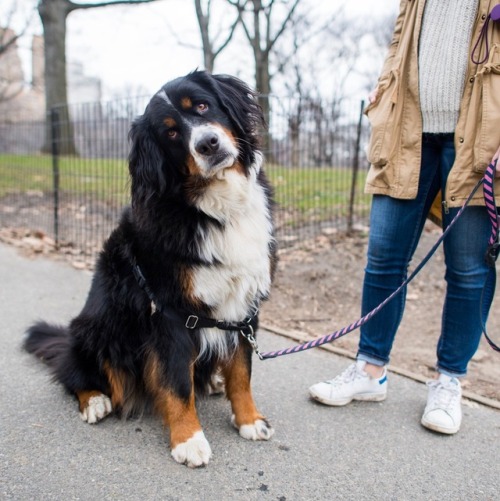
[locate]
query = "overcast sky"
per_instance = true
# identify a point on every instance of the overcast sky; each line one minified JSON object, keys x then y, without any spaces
{"x":141,"y":47}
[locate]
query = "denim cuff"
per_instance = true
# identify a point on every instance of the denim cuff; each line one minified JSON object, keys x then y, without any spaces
{"x":371,"y":359}
{"x":450,"y":373}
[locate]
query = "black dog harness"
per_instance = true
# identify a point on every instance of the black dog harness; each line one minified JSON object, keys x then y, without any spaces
{"x":193,"y":321}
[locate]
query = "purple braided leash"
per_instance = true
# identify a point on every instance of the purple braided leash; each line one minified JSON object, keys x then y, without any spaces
{"x":489,"y":201}
{"x":487,"y":182}
{"x":493,"y":249}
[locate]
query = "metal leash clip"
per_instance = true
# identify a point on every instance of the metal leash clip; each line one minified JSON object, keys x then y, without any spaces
{"x":248,"y":334}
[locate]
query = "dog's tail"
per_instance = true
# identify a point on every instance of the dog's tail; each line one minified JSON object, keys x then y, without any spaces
{"x":49,"y":343}
{"x":54,"y":345}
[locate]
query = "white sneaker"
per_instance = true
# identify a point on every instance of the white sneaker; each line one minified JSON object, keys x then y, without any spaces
{"x":353,"y":384}
{"x":443,"y":412}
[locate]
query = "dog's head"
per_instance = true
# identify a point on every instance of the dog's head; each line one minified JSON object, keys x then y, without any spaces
{"x":194,"y":128}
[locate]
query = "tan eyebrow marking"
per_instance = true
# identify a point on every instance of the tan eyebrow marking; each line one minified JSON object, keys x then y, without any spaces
{"x":170,"y":122}
{"x":186,"y":103}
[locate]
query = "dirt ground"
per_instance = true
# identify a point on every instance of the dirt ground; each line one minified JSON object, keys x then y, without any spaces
{"x":318,"y":291}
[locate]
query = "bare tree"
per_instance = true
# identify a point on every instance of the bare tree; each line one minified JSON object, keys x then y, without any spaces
{"x":355,"y":52}
{"x":11,"y":74}
{"x":53,"y":14}
{"x":212,"y":45}
{"x":316,"y":78}
{"x":263,"y":29}
{"x":295,"y":87}
{"x":296,"y":70}
{"x":379,"y":31}
{"x":9,"y":37}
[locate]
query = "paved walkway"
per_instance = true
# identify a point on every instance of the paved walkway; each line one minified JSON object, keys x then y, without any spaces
{"x":365,"y":451}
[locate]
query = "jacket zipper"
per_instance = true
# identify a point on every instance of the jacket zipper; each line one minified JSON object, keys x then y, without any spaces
{"x":445,"y":207}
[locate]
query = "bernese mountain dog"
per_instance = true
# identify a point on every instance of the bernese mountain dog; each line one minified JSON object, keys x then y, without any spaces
{"x":173,"y":306}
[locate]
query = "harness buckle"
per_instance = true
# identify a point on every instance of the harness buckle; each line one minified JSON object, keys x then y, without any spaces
{"x":192,"y":321}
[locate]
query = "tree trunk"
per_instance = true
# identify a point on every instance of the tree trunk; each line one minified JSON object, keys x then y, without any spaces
{"x":53,"y":14}
{"x":262,"y":41}
{"x":203,"y":23}
{"x":263,"y":83}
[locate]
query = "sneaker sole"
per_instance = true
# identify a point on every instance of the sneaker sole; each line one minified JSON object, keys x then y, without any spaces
{"x":439,"y":429}
{"x":370,"y":397}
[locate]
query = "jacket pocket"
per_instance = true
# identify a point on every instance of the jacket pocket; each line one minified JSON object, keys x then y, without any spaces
{"x":488,"y":133}
{"x":381,"y":115}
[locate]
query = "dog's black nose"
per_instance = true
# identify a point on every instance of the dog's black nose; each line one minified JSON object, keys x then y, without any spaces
{"x":207,"y":144}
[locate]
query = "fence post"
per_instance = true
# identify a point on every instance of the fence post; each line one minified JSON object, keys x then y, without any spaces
{"x":355,"y":169}
{"x":55,"y":137}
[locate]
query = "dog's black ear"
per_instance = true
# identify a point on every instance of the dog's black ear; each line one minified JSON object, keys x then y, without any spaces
{"x":146,"y":161}
{"x":240,"y":103}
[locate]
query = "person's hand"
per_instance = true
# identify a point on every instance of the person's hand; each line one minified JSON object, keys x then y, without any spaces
{"x":496,"y":156}
{"x":372,"y":97}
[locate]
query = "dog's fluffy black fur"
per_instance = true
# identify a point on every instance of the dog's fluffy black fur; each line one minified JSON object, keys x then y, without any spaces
{"x":200,"y":228}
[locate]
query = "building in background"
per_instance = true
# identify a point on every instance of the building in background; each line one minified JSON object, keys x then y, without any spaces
{"x":25,"y":101}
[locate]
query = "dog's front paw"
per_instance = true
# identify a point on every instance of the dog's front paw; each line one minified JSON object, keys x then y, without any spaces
{"x":193,"y":452}
{"x":260,"y":429}
{"x":97,"y":408}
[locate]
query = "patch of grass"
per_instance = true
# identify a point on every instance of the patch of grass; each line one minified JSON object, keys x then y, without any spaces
{"x":305,"y":194}
{"x":106,"y":179}
{"x":317,"y":192}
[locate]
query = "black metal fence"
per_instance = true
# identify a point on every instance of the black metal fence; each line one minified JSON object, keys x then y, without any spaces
{"x":66,"y":180}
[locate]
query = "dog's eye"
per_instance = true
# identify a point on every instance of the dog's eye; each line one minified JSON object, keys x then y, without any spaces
{"x":202,"y":107}
{"x":172,"y":134}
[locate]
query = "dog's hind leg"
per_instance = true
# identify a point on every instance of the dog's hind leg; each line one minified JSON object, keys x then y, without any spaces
{"x":118,"y":397}
{"x":250,"y":423}
{"x":83,"y":377}
{"x":187,"y":440}
{"x":72,"y":367}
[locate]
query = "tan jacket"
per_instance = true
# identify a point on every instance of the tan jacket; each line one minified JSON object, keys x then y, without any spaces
{"x":395,"y":145}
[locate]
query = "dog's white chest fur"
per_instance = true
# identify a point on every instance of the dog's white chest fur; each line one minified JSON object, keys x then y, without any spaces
{"x":241,"y":272}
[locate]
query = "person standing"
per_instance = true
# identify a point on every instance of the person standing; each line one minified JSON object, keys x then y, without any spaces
{"x":435,"y":118}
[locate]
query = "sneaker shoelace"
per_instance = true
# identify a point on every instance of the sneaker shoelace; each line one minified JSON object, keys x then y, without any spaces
{"x":443,"y":396}
{"x":350,"y":374}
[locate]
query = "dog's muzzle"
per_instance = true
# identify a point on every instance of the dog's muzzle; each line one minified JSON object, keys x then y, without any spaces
{"x":212,"y":149}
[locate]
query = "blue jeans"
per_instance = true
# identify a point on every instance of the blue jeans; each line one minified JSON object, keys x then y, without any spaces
{"x":395,"y":229}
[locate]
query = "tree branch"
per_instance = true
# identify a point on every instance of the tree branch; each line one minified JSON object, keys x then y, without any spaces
{"x":5,"y":44}
{"x":283,"y":26}
{"x":74,"y":6}
{"x":229,"y":37}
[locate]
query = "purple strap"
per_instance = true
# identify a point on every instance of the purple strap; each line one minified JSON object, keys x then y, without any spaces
{"x":482,"y":36}
{"x":488,"y":290}
{"x":489,"y":200}
{"x":493,"y":248}
{"x":494,"y":15}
